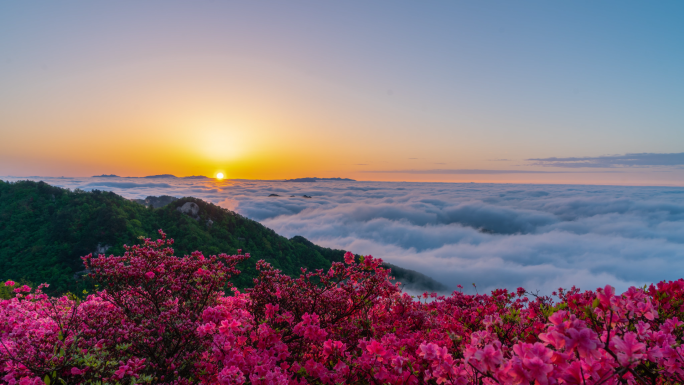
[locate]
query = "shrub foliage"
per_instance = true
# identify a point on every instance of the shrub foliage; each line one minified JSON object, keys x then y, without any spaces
{"x":44,"y":230}
{"x":157,"y":318}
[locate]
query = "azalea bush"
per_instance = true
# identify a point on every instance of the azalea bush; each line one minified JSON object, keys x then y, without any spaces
{"x":158,"y":318}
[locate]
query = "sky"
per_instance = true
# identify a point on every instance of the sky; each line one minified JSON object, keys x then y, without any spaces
{"x":540,"y":237}
{"x":448,"y":91}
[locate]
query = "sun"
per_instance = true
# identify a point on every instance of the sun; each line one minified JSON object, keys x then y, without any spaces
{"x":219,"y":176}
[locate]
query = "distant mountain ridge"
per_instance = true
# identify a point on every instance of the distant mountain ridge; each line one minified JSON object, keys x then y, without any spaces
{"x":164,"y":176}
{"x":315,"y":179}
{"x":44,"y":230}
{"x":161,"y":176}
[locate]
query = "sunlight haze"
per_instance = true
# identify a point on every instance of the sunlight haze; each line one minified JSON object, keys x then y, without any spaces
{"x":447,"y":91}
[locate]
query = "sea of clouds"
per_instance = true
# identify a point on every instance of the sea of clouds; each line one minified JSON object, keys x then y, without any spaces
{"x":540,"y":237}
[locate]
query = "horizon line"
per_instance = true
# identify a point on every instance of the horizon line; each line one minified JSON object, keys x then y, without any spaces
{"x":384,"y":181}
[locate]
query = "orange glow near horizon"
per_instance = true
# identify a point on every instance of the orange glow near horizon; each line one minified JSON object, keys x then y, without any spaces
{"x":262,"y":127}
{"x":254,"y":95}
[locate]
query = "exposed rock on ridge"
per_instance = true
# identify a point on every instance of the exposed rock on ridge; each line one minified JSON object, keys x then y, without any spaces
{"x":190,"y":209}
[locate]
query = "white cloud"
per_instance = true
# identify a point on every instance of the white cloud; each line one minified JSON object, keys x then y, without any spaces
{"x":540,"y":237}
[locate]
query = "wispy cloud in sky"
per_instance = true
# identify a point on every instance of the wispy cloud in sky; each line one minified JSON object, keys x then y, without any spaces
{"x":441,"y":171}
{"x":609,"y":161}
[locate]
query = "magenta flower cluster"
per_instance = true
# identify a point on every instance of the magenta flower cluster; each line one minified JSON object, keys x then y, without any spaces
{"x":158,"y":318}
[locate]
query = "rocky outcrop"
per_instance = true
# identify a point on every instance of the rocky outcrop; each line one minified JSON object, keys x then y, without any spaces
{"x":156,"y":202}
{"x":190,"y":209}
{"x":101,"y":249}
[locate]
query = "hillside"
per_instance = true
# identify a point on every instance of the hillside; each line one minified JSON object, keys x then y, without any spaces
{"x":44,"y":230}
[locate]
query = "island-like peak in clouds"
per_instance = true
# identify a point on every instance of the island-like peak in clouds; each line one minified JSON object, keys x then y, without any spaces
{"x":315,"y":179}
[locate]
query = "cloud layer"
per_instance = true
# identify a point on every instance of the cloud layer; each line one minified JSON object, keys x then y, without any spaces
{"x":540,"y":237}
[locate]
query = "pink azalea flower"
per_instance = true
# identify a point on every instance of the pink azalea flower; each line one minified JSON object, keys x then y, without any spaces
{"x":348,"y":258}
{"x":271,"y":310}
{"x":428,"y":351}
{"x":289,"y":330}
{"x":231,"y":376}
{"x":629,"y":349}
{"x":646,"y":310}
{"x":584,"y":340}
{"x":376,"y":348}
{"x":605,"y":296}
{"x":330,"y":346}
{"x":490,"y":357}
{"x":574,"y":374}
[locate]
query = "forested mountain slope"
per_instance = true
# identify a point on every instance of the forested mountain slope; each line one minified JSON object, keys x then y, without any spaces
{"x":44,"y":230}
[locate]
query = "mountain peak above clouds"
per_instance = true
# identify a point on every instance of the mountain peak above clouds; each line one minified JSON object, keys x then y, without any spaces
{"x":160,"y":176}
{"x":315,"y":179}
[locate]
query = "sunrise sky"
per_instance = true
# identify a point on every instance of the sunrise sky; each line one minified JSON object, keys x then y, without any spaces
{"x":498,"y":91}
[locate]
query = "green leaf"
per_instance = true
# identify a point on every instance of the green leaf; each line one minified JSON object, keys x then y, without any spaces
{"x":46,"y":380}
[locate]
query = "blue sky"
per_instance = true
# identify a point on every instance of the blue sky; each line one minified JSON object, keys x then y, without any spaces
{"x":284,"y":89}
